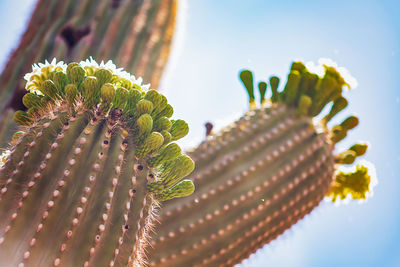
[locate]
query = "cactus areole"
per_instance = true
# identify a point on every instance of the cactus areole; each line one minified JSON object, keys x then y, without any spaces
{"x":83,"y":178}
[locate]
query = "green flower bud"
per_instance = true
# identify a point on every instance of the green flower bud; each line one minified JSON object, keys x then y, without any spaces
{"x":298,"y":66}
{"x":307,"y":83}
{"x":152,"y":142}
{"x":291,"y":87}
{"x":60,"y":79}
{"x":332,"y":72}
{"x":49,"y":88}
{"x":170,"y":152}
{"x":22,"y":118}
{"x":337,"y":134}
{"x":107,"y":92}
{"x":71,"y":92}
{"x":347,"y":157}
{"x":349,"y":123}
{"x":120,"y":98}
{"x":160,"y":106}
{"x":182,"y":189}
{"x":32,"y":111}
{"x":326,"y":90}
{"x":359,"y":149}
{"x":274,"y":83}
{"x":90,"y":91}
{"x":167,"y":111}
{"x":75,"y":74}
{"x":167,"y":136}
{"x":179,"y":129}
{"x":262,"y":88}
{"x":31,"y":100}
{"x":144,"y":106}
{"x":175,"y":170}
{"x":304,"y":105}
{"x":103,"y":76}
{"x":71,"y":65}
{"x":153,"y":96}
{"x":338,"y":105}
{"x":144,"y":126}
{"x":162,"y":123}
{"x":246,"y":77}
{"x":134,"y":96}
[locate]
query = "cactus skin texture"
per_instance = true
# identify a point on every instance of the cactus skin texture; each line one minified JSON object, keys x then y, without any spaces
{"x":83,"y":178}
{"x":136,"y":35}
{"x":259,"y":176}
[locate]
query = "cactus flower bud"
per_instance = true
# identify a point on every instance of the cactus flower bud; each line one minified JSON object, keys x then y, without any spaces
{"x":179,"y":129}
{"x":22,"y":118}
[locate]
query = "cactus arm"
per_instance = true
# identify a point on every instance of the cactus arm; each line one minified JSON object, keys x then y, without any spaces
{"x":86,"y":153}
{"x":261,"y":174}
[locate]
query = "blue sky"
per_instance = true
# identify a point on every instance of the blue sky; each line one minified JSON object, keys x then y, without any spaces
{"x":218,"y":38}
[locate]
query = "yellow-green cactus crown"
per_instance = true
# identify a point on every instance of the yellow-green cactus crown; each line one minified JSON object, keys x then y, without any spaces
{"x":106,"y":91}
{"x":309,"y":88}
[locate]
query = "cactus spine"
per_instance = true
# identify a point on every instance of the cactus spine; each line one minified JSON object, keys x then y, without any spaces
{"x":136,"y":35}
{"x":84,"y":178}
{"x":260,"y":175}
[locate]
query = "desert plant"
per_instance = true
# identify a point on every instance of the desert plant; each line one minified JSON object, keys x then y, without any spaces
{"x":84,"y":175}
{"x":262,"y":173}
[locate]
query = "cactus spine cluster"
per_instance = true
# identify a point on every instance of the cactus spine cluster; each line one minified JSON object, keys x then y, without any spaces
{"x":262,"y":174}
{"x":136,"y":35}
{"x":85,"y":175}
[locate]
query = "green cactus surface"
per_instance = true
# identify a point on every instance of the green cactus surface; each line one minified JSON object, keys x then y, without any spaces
{"x":84,"y":176}
{"x":261,"y":174}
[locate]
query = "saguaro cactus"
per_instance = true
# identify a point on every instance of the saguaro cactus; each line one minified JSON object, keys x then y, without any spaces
{"x":85,"y":174}
{"x":136,"y":35}
{"x":261,"y":174}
